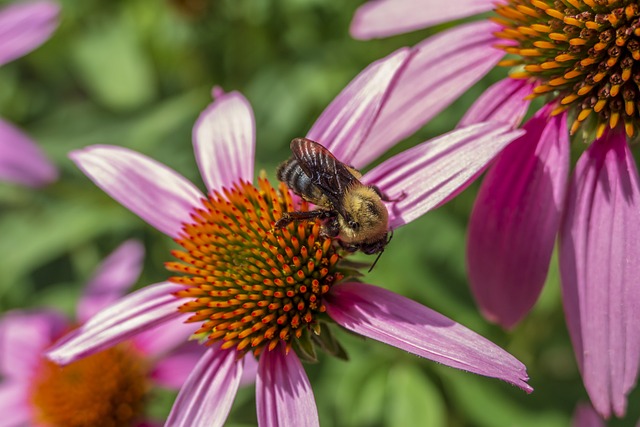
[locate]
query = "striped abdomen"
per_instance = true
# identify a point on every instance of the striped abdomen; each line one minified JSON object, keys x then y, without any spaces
{"x":294,"y":177}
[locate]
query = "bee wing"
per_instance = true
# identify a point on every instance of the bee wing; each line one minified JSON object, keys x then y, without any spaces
{"x":326,"y":172}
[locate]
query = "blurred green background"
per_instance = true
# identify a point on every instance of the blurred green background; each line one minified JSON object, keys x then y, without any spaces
{"x":137,"y":73}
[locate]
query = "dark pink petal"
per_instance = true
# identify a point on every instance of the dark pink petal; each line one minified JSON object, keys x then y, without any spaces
{"x":442,"y":69}
{"x":383,"y":18}
{"x":206,"y":398}
{"x":118,"y":272}
{"x":224,"y":139}
{"x":600,"y":267}
{"x":134,"y":313}
{"x":433,"y":172}
{"x":172,"y":369}
{"x":25,"y":26}
{"x":21,"y":161}
{"x":23,"y":337}
{"x":15,"y":404}
{"x":346,"y":122}
{"x":586,"y":416}
{"x":503,"y":102}
{"x":398,"y":321}
{"x":151,"y":190}
{"x":515,"y":220}
{"x":283,"y":393}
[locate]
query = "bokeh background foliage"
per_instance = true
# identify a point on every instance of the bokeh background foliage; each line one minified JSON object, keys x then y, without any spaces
{"x":137,"y":73}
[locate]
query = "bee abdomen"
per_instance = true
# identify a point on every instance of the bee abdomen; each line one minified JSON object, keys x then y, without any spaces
{"x":292,"y":174}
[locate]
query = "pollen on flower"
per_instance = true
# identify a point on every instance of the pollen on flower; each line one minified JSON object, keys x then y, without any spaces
{"x":249,"y":285}
{"x":584,"y":53}
{"x":106,"y":389}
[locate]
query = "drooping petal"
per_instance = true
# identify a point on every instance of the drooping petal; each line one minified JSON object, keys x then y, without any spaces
{"x":600,"y":266}
{"x":173,"y":369}
{"x":206,"y":398}
{"x":586,"y":416}
{"x":136,"y":312}
{"x":25,"y":26}
{"x":151,"y":190}
{"x":427,"y":175}
{"x":112,"y":278}
{"x":398,"y":321}
{"x":515,"y":220}
{"x":21,"y":161}
{"x":14,"y":404}
{"x":383,"y":18}
{"x":23,"y":337}
{"x":164,"y":338}
{"x":503,"y":102}
{"x":250,"y":372}
{"x":443,"y":68}
{"x":346,"y":122}
{"x":224,"y":139}
{"x":283,"y":393}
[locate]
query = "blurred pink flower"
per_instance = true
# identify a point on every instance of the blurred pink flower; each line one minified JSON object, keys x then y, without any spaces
{"x":584,"y":58}
{"x":255,"y":288}
{"x":24,"y":27}
{"x":586,"y":416}
{"x":110,"y":385}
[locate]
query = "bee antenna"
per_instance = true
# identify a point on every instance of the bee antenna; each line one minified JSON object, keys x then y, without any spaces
{"x":375,"y":262}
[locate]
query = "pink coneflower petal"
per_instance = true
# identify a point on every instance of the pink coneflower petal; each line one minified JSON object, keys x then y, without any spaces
{"x":431,"y":173}
{"x":172,"y":370}
{"x":250,"y":371}
{"x":136,"y":312}
{"x":345,"y":123}
{"x":114,"y":276}
{"x":398,"y":321}
{"x":599,"y":266}
{"x":14,"y":403}
{"x":503,"y":102}
{"x":444,"y":67}
{"x":586,"y":416}
{"x":283,"y":394}
{"x":515,"y":220}
{"x":164,"y":338}
{"x":25,"y":26}
{"x":383,"y":18}
{"x":224,"y":141}
{"x":206,"y":398}
{"x":156,"y":193}
{"x":23,"y":338}
{"x":21,"y":161}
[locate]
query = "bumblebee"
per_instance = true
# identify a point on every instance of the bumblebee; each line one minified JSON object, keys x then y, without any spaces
{"x":351,"y":212}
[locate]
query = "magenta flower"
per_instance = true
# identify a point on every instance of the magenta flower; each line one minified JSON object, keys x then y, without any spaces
{"x":274,"y":293}
{"x":24,"y":27}
{"x":113,"y":383}
{"x":586,"y":416}
{"x":583,"y":56}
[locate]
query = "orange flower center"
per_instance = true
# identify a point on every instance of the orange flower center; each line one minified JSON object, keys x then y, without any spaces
{"x":106,"y":389}
{"x":586,"y":54}
{"x":249,"y":284}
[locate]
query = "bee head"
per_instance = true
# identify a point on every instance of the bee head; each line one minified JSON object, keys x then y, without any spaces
{"x":364,"y":217}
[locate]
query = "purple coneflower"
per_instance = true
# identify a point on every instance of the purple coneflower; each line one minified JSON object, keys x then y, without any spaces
{"x":274,"y":293}
{"x":583,"y":57}
{"x":24,"y":27}
{"x":107,"y":388}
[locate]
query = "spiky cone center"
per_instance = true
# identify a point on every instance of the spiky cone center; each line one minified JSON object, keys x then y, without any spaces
{"x":249,"y":285}
{"x":106,"y":389}
{"x":585,"y":54}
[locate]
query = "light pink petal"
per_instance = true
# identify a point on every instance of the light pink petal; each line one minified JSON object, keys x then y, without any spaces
{"x":383,"y":18}
{"x":172,"y":370}
{"x":283,"y":393}
{"x":14,"y":404}
{"x":600,"y":267}
{"x":165,"y":338}
{"x":224,"y":139}
{"x":442,"y":69}
{"x":23,"y":338}
{"x":151,"y":190}
{"x":21,"y":161}
{"x":503,"y":102}
{"x":206,"y":398}
{"x":515,"y":220}
{"x":250,"y":371}
{"x":429,"y":174}
{"x":586,"y":416}
{"x":134,"y":313}
{"x":346,"y":122}
{"x":117,"y":273}
{"x":25,"y":26}
{"x":398,"y":321}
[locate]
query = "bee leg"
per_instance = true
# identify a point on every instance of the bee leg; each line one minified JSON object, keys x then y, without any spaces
{"x":331,"y":228}
{"x":386,"y":198}
{"x":289,"y":217}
